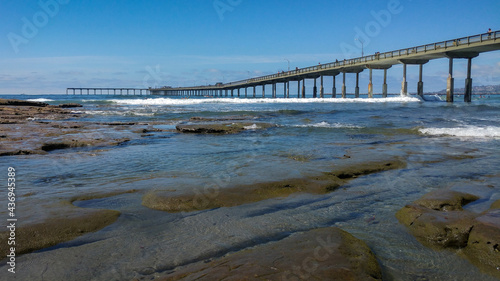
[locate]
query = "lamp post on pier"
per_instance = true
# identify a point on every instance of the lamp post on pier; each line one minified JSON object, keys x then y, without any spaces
{"x":362,"y":46}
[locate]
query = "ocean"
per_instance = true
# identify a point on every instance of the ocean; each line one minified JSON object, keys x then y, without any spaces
{"x":445,"y":145}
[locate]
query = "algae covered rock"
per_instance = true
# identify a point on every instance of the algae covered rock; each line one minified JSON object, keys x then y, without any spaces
{"x":446,"y":200}
{"x":437,"y":229}
{"x":221,"y":128}
{"x":483,"y":247}
{"x":320,"y":254}
{"x":438,"y":220}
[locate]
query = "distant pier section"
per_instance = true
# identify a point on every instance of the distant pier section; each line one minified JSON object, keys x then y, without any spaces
{"x":107,"y":91}
{"x":460,"y":48}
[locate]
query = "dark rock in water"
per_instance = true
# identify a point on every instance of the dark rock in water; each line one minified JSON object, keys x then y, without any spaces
{"x":70,"y":105}
{"x":221,"y":118}
{"x":15,"y":102}
{"x":221,"y":128}
{"x":80,"y":142}
{"x":320,"y":254}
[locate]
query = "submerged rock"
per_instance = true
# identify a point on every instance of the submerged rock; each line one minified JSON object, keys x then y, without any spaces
{"x":66,"y":223}
{"x":483,"y":248}
{"x":438,"y":220}
{"x":320,"y":254}
{"x":243,"y":194}
{"x":437,"y":229}
{"x":221,"y":128}
{"x":446,"y":200}
{"x":57,"y":230}
{"x":70,"y":105}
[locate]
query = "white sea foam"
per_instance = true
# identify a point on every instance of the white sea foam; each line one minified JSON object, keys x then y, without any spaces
{"x":252,"y":127}
{"x":468,"y":132}
{"x":119,"y":113}
{"x":40,"y":100}
{"x":170,"y":101}
{"x":325,"y":124}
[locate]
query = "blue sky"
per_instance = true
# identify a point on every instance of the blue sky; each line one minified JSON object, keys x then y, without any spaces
{"x":49,"y":45}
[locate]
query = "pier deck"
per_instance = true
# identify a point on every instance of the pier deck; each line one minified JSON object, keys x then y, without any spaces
{"x":460,"y":48}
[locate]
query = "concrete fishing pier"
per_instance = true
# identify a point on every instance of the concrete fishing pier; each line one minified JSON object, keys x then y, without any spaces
{"x":106,"y":91}
{"x":460,"y":48}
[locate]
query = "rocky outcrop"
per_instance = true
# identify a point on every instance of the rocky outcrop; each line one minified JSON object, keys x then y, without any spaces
{"x":66,"y":223}
{"x":70,"y":105}
{"x":320,"y":254}
{"x":28,"y":127}
{"x":238,"y":195}
{"x":438,"y":220}
{"x":221,"y":128}
{"x":14,"y":102}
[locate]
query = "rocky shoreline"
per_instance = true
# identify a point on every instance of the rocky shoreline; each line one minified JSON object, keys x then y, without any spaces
{"x":28,"y":127}
{"x":438,"y":220}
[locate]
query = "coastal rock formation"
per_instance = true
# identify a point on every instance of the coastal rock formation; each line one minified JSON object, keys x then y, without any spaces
{"x":320,"y":254}
{"x":28,"y":127}
{"x":70,"y":105}
{"x":59,"y":229}
{"x":66,"y":223}
{"x":438,"y":220}
{"x":238,"y":195}
{"x":483,"y":248}
{"x":221,"y":128}
{"x":14,"y":102}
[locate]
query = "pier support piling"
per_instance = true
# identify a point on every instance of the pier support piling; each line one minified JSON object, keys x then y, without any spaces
{"x":468,"y":82}
{"x":404,"y":84}
{"x":420,"y":85}
{"x":298,"y":89}
{"x":450,"y":83}
{"x":321,"y":89}
{"x":315,"y":88}
{"x":343,"y":86}
{"x":303,"y":88}
{"x":370,"y":85}
{"x":287,"y":89}
{"x":334,"y":89}
{"x":384,"y":86}
{"x":356,"y":90}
